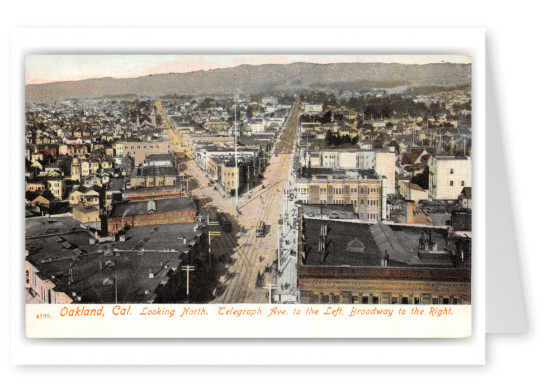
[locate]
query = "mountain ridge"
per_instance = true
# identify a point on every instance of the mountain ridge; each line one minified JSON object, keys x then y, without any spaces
{"x":247,"y":78}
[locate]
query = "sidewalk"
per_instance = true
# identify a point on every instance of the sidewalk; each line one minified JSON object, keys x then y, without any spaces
{"x":287,"y":279}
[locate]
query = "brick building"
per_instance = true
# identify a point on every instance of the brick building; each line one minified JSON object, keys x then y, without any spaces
{"x":358,"y":263}
{"x":154,"y":212}
{"x":364,"y":190}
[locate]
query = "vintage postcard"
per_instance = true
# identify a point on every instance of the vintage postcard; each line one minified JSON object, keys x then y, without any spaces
{"x":249,"y":196}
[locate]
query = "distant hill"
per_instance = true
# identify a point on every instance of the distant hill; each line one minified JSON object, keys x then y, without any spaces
{"x":253,"y":79}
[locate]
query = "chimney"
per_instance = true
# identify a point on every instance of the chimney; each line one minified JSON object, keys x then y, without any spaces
{"x":409,"y":212}
{"x":151,"y":275}
{"x":384,"y":261}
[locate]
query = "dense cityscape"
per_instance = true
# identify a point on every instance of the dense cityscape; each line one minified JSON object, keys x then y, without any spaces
{"x":359,"y":196}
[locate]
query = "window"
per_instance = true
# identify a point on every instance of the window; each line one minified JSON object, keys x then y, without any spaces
{"x":336,"y":299}
{"x":455,"y":300}
{"x":451,"y":183}
{"x":365,"y":299}
{"x":394,"y":300}
{"x":354,"y":299}
{"x":416,"y":300}
{"x":435,"y":300}
{"x":324,"y":299}
{"x":451,"y":170}
{"x":375,"y":300}
{"x":405,"y":300}
{"x":462,"y":183}
{"x":445,"y":300}
{"x":27,"y":276}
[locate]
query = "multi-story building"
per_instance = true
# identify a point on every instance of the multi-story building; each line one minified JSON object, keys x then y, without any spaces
{"x":382,"y":161}
{"x":448,"y":175}
{"x":358,"y":263}
{"x":228,"y":176}
{"x":56,"y":187}
{"x":153,"y":176}
{"x":365,"y":191}
{"x":139,"y":150}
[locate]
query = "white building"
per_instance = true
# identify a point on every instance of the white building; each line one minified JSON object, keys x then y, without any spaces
{"x":312,"y":108}
{"x":448,"y":175}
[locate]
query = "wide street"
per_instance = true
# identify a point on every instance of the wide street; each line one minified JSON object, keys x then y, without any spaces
{"x":251,"y":261}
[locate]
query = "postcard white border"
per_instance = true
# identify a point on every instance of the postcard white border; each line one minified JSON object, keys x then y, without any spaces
{"x":246,"y":41}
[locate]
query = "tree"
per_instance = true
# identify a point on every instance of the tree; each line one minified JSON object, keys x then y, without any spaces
{"x":326,"y":117}
{"x":329,"y":138}
{"x":422,"y":179}
{"x":250,"y":112}
{"x":396,"y":146}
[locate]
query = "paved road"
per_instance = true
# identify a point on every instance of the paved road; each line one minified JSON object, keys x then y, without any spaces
{"x":251,"y":256}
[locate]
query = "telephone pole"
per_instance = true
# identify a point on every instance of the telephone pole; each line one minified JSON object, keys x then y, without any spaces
{"x":278,"y":249}
{"x":187,"y":269}
{"x":211,"y":235}
{"x":236,"y":167}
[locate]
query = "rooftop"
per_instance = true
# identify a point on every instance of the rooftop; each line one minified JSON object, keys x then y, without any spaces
{"x":159,"y":157}
{"x":365,"y":245}
{"x":161,"y":206}
{"x":59,"y":248}
{"x":329,"y":211}
{"x":150,"y":171}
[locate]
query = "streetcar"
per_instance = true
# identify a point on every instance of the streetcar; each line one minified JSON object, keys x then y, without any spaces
{"x":260,"y":228}
{"x":224,"y":222}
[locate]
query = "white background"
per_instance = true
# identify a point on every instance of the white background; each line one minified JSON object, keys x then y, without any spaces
{"x":517,"y":36}
{"x":274,"y":40}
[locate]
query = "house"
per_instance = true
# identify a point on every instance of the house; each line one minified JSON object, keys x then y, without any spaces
{"x":412,"y":191}
{"x":56,"y":187}
{"x":127,"y":164}
{"x":414,"y":156}
{"x":86,"y":195}
{"x":45,"y":200}
{"x":86,"y":213}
